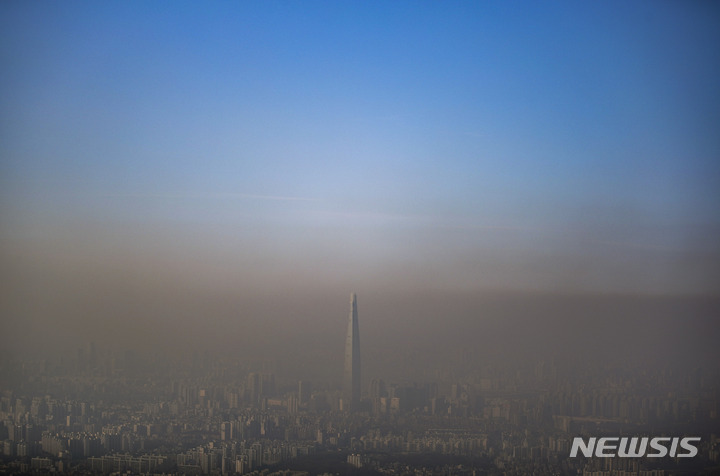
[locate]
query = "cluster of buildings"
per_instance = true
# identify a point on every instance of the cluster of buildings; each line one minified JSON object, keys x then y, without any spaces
{"x":223,"y":419}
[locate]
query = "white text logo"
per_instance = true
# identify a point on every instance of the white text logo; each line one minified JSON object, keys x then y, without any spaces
{"x":635,"y":447}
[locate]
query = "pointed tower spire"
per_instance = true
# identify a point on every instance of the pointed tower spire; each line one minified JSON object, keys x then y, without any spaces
{"x":351,"y":390}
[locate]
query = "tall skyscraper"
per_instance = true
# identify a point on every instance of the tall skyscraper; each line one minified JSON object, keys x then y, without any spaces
{"x":351,"y":390}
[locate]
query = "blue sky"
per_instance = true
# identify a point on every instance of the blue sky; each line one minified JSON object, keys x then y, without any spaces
{"x":451,"y":145}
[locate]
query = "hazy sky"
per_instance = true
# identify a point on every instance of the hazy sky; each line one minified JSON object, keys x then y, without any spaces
{"x":272,"y":148}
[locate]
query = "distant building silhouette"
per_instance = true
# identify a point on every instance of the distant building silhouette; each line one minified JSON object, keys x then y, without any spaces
{"x":351,"y":390}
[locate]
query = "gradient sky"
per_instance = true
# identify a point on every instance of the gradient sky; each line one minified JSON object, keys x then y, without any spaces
{"x":269,"y":148}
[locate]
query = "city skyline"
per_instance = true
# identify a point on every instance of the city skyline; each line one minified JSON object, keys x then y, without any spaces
{"x":525,"y":195}
{"x":208,"y":414}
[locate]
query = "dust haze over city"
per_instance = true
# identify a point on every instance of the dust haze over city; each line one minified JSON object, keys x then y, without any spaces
{"x":500,"y":184}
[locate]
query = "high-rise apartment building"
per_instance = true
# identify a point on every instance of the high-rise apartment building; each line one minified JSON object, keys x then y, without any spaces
{"x":351,"y":390}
